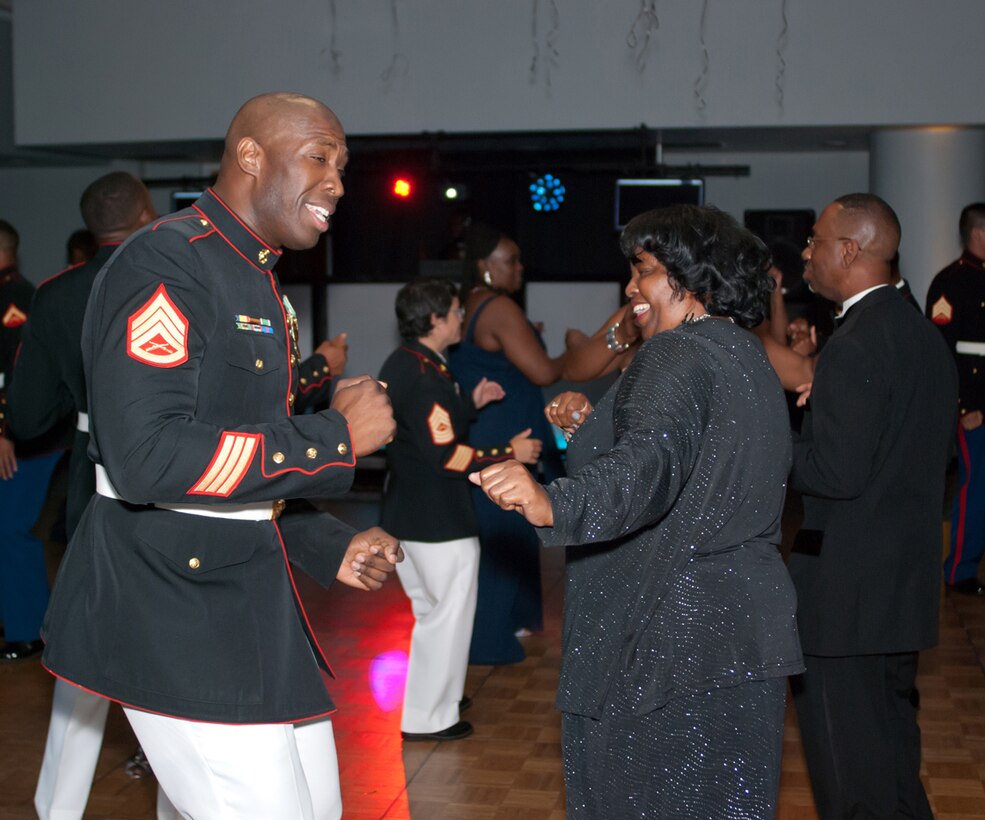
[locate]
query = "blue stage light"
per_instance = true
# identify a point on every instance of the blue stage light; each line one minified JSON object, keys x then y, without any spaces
{"x":547,"y":193}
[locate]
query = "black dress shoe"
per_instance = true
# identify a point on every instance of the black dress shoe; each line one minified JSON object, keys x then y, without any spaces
{"x":969,"y":586}
{"x":456,"y":732}
{"x":464,"y":704}
{"x":20,"y":650}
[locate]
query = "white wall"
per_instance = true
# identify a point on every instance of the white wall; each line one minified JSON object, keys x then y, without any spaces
{"x":83,"y":69}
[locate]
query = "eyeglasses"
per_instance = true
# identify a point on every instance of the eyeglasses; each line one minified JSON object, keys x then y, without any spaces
{"x":813,"y":240}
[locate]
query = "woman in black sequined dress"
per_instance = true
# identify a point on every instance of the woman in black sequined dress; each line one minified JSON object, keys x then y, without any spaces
{"x":679,"y":618}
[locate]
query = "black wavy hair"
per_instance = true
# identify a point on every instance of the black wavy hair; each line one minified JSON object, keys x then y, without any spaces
{"x":418,"y":300}
{"x":708,"y":254}
{"x":480,"y":241}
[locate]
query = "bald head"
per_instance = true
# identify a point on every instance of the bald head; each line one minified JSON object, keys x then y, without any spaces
{"x":282,"y":167}
{"x":870,"y":221}
{"x":268,"y":117}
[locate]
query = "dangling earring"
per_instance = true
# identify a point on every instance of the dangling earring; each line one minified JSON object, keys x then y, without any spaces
{"x":487,"y":278}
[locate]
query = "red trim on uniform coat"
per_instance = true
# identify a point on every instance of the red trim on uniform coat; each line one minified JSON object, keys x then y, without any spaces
{"x":263,"y":461}
{"x":307,"y":388}
{"x":175,"y":717}
{"x":965,"y":457}
{"x":166,"y":219}
{"x":54,"y":276}
{"x":202,"y":235}
{"x":245,"y":227}
{"x":287,"y":338}
{"x":229,"y":242}
{"x":297,"y":598}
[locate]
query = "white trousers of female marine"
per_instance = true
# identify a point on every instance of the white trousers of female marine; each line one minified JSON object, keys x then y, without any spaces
{"x":441,"y":580}
{"x":75,"y":738}
{"x":219,"y":771}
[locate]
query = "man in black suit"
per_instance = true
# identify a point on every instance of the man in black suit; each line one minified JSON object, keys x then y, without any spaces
{"x":870,"y":464}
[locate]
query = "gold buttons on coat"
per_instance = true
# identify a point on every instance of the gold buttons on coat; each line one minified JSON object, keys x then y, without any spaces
{"x":290,"y":400}
{"x":194,"y":563}
{"x":342,"y":449}
{"x":311,"y":452}
{"x":259,"y":364}
{"x":278,"y":457}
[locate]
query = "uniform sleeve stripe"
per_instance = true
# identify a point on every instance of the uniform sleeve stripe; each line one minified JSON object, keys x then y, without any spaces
{"x":229,"y":465}
{"x":460,"y":459}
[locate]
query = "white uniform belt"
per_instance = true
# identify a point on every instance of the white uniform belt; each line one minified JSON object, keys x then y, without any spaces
{"x":260,"y":511}
{"x":82,"y":422}
{"x":971,"y":348}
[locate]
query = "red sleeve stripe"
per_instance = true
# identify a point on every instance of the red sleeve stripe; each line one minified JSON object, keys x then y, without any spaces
{"x":231,"y":461}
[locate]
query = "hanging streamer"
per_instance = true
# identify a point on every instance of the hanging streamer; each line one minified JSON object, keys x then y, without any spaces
{"x":533,"y":34}
{"x":333,"y":53}
{"x":642,"y":31}
{"x":781,"y":46}
{"x":399,"y":62}
{"x":550,"y":43}
{"x":702,"y":81}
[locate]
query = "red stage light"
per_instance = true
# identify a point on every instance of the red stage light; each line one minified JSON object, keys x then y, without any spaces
{"x":401,"y":187}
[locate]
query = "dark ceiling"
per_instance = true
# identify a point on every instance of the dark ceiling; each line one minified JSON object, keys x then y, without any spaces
{"x":630,"y":149}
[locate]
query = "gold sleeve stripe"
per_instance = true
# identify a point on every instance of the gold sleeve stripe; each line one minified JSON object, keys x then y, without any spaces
{"x":230,"y":463}
{"x":460,"y":459}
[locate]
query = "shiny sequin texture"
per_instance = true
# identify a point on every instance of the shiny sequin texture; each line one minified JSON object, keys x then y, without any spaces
{"x":675,"y":588}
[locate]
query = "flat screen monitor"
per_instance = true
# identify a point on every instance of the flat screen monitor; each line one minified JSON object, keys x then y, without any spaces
{"x":634,"y":196}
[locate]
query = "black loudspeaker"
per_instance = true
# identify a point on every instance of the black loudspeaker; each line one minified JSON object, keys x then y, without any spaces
{"x":791,"y":227}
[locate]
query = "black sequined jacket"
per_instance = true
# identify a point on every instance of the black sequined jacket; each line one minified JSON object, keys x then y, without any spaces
{"x":676,"y":490}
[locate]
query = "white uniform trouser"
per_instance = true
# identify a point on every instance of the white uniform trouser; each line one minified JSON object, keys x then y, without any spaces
{"x":441,"y":580}
{"x":258,"y":771}
{"x":75,"y":738}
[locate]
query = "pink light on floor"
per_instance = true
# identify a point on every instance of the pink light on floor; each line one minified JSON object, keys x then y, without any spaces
{"x":387,"y":675}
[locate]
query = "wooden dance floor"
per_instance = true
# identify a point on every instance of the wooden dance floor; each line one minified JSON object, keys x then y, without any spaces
{"x":510,"y":767}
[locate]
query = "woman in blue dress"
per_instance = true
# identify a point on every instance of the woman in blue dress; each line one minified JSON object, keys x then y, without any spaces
{"x":501,"y":344}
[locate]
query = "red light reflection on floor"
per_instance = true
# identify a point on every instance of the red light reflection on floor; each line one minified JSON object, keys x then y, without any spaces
{"x":365,"y":636}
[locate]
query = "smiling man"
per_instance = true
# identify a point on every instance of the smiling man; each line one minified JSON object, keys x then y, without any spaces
{"x":176,"y":597}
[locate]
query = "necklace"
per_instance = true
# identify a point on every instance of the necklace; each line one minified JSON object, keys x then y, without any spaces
{"x":691,"y":319}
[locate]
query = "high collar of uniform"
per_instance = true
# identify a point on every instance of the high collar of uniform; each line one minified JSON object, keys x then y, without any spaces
{"x":424,"y":352}
{"x":257,"y":252}
{"x":972,"y":261}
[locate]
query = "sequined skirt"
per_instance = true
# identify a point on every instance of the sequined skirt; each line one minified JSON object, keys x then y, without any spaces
{"x":712,"y":755}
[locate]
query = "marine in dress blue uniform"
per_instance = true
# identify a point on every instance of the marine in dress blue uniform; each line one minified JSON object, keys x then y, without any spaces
{"x":428,"y":502}
{"x":23,"y":576}
{"x":956,"y":304}
{"x":49,"y":383}
{"x":176,"y":596}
